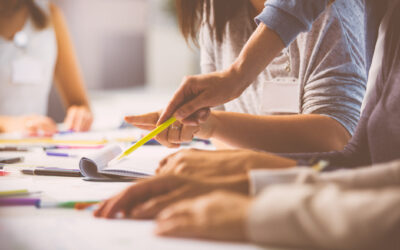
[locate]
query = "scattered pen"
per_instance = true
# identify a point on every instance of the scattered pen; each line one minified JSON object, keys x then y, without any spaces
{"x":4,"y":173}
{"x":13,"y":149}
{"x":60,"y":154}
{"x":19,"y":202}
{"x":21,"y":192}
{"x":48,"y":171}
{"x":79,"y":205}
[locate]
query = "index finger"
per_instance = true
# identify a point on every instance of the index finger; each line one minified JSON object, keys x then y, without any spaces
{"x":177,"y":100}
{"x":137,"y":193}
{"x":145,"y":119}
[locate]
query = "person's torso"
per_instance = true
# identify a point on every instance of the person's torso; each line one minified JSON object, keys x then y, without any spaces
{"x":383,"y":127}
{"x":27,"y":69}
{"x":273,"y":88}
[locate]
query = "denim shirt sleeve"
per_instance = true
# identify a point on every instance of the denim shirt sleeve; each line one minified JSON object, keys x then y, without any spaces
{"x":290,"y":17}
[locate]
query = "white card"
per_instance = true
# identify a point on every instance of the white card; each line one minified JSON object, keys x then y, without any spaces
{"x":27,"y":70}
{"x":281,"y":96}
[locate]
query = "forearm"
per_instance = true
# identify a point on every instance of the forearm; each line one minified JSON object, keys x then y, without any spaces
{"x":67,"y":74}
{"x":262,"y":47}
{"x":281,"y":133}
{"x":325,"y":217}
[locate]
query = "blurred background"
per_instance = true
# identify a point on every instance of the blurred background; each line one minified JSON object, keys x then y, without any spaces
{"x":126,"y":47}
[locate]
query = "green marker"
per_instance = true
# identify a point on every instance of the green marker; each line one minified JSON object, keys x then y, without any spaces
{"x":67,"y":204}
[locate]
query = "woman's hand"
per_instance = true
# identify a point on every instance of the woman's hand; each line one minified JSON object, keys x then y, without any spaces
{"x":200,"y":163}
{"x":197,"y":94}
{"x":78,"y":118}
{"x":31,"y":125}
{"x":216,"y":216}
{"x":177,"y":133}
{"x":145,"y":199}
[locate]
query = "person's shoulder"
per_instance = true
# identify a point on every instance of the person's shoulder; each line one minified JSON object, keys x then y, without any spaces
{"x":54,"y":9}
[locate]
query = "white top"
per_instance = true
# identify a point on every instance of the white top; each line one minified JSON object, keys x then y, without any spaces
{"x":27,"y":68}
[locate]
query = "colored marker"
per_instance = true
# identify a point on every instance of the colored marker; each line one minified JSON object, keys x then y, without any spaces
{"x":321,"y":165}
{"x":79,"y":147}
{"x":13,"y":192}
{"x":19,"y":202}
{"x":4,"y":173}
{"x":69,"y":204}
{"x":60,"y":154}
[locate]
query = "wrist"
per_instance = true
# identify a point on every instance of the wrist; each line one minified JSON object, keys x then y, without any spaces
{"x":207,"y":129}
{"x":235,"y":183}
{"x":239,"y":76}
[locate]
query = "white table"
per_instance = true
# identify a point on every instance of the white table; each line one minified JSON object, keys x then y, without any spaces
{"x":31,"y":228}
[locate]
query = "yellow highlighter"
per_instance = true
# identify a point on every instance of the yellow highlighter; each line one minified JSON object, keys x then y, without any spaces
{"x":147,"y":138}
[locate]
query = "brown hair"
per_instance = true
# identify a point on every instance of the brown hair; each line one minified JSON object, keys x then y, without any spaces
{"x":191,"y":13}
{"x":38,"y":16}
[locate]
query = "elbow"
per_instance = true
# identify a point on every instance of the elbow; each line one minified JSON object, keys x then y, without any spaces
{"x":335,"y":135}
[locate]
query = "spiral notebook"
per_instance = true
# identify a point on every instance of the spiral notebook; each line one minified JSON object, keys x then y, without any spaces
{"x":140,"y":164}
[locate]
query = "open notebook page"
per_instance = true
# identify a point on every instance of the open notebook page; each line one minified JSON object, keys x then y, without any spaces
{"x":140,"y":164}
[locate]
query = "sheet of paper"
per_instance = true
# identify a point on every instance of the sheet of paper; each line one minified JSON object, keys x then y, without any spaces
{"x":144,"y":160}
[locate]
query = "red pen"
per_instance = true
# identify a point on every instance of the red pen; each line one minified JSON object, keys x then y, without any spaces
{"x":4,"y":173}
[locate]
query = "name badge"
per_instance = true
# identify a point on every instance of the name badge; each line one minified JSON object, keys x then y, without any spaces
{"x":281,"y":96}
{"x":27,"y":70}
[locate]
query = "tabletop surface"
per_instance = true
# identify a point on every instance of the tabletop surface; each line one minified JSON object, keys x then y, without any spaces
{"x":31,"y":228}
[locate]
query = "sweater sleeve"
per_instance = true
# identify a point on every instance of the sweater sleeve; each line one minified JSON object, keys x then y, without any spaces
{"x":290,"y":17}
{"x":325,"y":217}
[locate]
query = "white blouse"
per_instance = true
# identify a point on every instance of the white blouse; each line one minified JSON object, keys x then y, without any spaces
{"x":27,"y":68}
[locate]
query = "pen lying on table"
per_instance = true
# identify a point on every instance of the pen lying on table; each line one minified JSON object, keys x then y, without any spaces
{"x":48,"y":153}
{"x":79,"y":205}
{"x":49,"y":171}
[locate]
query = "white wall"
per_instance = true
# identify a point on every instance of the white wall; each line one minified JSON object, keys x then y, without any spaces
{"x":168,"y":56}
{"x":135,"y":39}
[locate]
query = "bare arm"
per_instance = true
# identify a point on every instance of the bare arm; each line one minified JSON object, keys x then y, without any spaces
{"x":204,"y":91}
{"x":68,"y":76}
{"x":283,"y":133}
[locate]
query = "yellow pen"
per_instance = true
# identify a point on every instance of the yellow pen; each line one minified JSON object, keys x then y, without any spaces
{"x":147,"y":138}
{"x":320,"y":165}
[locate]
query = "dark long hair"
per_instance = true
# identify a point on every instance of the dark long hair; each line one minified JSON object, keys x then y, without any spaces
{"x":40,"y":19}
{"x":192,"y":12}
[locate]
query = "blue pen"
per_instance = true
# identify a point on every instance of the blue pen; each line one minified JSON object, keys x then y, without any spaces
{"x":66,"y":132}
{"x":60,"y":154}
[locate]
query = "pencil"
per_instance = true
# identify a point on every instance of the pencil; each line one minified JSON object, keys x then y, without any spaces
{"x":145,"y":139}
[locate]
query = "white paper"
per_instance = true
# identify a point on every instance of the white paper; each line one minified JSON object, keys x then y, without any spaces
{"x":140,"y":164}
